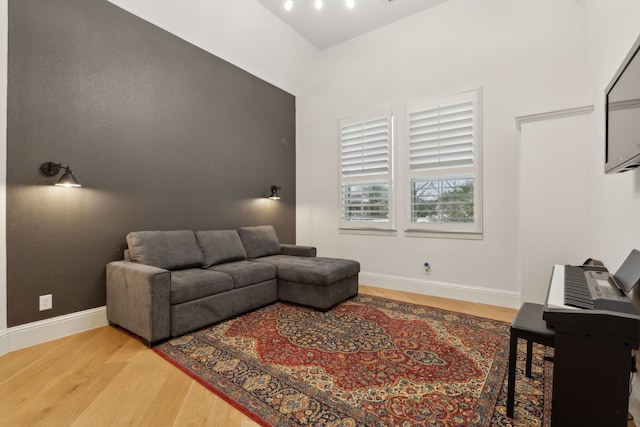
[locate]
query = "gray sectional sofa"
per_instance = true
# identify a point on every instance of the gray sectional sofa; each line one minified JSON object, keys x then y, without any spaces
{"x":173,"y":282}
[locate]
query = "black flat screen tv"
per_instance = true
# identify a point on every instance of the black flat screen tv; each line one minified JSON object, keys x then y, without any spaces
{"x":622,"y":111}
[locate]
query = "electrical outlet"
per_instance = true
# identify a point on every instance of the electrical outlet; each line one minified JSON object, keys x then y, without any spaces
{"x":427,"y":268}
{"x":46,"y":302}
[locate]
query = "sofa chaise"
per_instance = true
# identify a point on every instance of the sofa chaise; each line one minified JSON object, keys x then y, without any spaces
{"x":173,"y":282}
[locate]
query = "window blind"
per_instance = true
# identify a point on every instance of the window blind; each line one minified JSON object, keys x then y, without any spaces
{"x":365,"y":147}
{"x":368,"y":202}
{"x":441,"y":137}
{"x":442,"y":200}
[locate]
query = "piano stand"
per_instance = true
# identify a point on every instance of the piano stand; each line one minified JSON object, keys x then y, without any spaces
{"x":590,"y":382}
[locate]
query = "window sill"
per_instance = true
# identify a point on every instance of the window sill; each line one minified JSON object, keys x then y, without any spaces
{"x":369,"y":231}
{"x":464,"y":235}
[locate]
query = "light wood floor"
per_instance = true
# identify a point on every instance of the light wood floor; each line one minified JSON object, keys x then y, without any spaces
{"x":105,"y":377}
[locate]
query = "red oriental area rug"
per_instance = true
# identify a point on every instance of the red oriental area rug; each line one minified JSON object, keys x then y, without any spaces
{"x":366,"y":362}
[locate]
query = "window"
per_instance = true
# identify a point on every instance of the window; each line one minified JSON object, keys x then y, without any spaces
{"x":443,"y":162}
{"x":366,"y":172}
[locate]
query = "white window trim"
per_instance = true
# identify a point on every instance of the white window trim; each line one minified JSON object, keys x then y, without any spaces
{"x":447,"y":230}
{"x":369,"y":227}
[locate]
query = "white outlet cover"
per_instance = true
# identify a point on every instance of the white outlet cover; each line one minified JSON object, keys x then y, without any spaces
{"x":46,"y":302}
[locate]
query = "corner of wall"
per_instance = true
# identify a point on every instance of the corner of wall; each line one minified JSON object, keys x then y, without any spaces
{"x":4,"y":29}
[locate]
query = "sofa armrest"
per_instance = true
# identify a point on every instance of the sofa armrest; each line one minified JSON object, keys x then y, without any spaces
{"x":138,"y":299}
{"x":298,"y":250}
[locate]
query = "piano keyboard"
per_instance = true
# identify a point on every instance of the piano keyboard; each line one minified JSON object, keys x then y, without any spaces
{"x":576,"y":288}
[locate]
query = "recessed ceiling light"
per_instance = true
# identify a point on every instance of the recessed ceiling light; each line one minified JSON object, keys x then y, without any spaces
{"x":319,"y":4}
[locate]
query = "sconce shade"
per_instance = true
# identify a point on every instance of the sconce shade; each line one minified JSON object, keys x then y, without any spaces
{"x":274,"y":193}
{"x":66,"y":180}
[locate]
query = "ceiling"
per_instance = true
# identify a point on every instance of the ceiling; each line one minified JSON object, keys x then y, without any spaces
{"x":335,"y":23}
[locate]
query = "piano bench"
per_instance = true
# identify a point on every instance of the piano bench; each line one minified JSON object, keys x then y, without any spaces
{"x":528,"y":325}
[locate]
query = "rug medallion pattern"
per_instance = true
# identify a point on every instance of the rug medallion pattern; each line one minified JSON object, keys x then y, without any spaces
{"x":367,"y":362}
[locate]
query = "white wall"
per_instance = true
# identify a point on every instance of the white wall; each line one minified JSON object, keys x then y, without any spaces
{"x":554,"y":199}
{"x":528,"y":56}
{"x":615,"y":199}
{"x":242,"y":32}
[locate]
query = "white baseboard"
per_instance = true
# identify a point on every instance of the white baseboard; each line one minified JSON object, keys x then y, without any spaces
{"x":4,"y":342}
{"x":441,"y":289}
{"x":22,"y":336}
{"x":42,"y":331}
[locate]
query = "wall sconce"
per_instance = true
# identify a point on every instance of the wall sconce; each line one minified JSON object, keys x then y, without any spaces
{"x":274,"y":192}
{"x":66,"y":180}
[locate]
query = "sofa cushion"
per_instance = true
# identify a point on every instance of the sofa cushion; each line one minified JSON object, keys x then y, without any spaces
{"x":316,"y":271}
{"x":195,"y":283}
{"x":220,"y":246}
{"x":247,"y":273}
{"x":165,"y":249}
{"x":259,"y":241}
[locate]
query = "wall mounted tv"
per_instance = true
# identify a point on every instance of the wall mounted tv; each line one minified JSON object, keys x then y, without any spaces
{"x":622,"y":98}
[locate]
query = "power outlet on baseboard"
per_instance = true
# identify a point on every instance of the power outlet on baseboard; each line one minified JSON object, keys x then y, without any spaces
{"x":427,"y":267}
{"x":46,"y":302}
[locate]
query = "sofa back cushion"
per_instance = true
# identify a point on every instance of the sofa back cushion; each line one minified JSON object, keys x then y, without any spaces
{"x":171,"y":250}
{"x":259,"y":241}
{"x":219,"y":246}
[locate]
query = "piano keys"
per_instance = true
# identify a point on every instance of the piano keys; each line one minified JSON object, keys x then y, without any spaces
{"x":604,"y":296}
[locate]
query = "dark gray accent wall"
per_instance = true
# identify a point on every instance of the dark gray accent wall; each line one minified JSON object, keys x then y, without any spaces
{"x":161,"y":134}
